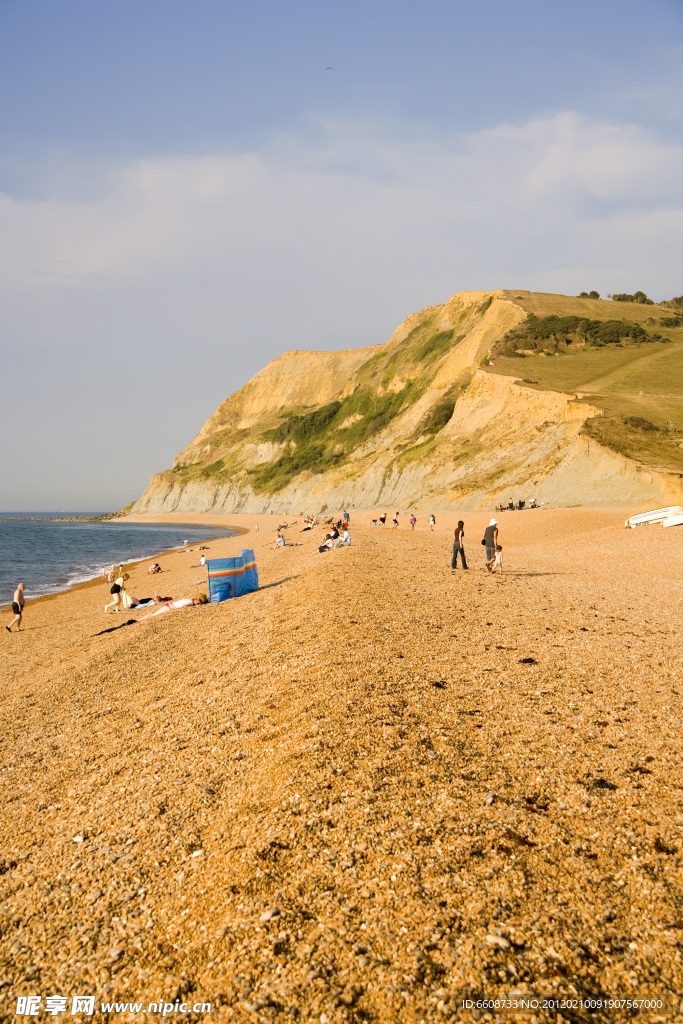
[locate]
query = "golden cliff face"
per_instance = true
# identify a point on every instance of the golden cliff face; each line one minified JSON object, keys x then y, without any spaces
{"x":416,"y":421}
{"x":295,"y":380}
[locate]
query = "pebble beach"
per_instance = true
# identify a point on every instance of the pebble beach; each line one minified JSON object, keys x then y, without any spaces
{"x":375,"y":790}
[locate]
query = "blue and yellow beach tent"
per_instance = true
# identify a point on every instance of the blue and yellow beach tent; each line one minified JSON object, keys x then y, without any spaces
{"x":232,"y":577}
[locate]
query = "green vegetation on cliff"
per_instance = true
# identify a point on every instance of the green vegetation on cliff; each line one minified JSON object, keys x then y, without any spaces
{"x":634,"y":375}
{"x":639,"y":439}
{"x":554,"y":334}
{"x":325,"y":437}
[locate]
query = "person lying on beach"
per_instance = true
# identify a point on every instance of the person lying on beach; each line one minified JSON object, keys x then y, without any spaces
{"x":171,"y":606}
{"x":141,"y":602}
{"x":17,"y":608}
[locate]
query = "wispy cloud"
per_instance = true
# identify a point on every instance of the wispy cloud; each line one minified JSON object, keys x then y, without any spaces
{"x":292,"y":219}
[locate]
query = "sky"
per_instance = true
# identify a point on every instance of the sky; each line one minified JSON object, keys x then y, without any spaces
{"x":188,"y":189}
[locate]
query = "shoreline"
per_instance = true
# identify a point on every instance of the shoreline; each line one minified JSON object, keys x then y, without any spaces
{"x":228,"y":521}
{"x":128,"y":567}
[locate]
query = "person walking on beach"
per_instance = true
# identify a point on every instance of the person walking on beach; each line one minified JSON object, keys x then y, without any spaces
{"x":432,"y":522}
{"x":498,"y":560}
{"x":383,"y":519}
{"x":458,"y":546}
{"x":346,"y":518}
{"x":413,"y":520}
{"x":490,"y":541}
{"x":117,"y":601}
{"x":17,"y":608}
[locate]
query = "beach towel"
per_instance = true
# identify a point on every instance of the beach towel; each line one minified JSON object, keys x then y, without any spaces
{"x":232,"y":577}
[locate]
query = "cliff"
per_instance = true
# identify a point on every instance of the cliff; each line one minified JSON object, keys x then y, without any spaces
{"x":422,"y":421}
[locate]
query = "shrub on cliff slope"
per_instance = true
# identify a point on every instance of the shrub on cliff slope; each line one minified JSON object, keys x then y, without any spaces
{"x":640,"y":297}
{"x":553,"y":334}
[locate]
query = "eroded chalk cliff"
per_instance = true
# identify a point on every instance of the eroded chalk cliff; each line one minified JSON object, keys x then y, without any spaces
{"x":415,"y":422}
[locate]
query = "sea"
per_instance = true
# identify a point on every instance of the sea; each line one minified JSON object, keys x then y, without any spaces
{"x":48,"y":556}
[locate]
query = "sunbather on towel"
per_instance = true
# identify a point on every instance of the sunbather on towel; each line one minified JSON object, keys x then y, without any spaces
{"x":184,"y":602}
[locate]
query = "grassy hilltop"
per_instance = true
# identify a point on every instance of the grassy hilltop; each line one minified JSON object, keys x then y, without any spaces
{"x":489,"y":391}
{"x":638,"y":384}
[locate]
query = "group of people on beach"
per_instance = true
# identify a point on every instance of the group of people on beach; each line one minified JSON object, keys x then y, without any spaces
{"x":123,"y":601}
{"x":431,"y":521}
{"x":338,"y":536}
{"x":494,"y":550}
{"x":518,"y":506}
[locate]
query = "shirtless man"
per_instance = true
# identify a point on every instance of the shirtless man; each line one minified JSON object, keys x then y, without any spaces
{"x":17,"y":608}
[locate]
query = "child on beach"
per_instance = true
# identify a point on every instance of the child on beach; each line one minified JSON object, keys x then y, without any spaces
{"x":498,"y":560}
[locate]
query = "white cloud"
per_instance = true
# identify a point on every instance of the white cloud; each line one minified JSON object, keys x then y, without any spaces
{"x":353,"y":204}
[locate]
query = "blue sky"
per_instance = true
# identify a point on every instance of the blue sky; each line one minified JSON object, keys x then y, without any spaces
{"x":186,"y":191}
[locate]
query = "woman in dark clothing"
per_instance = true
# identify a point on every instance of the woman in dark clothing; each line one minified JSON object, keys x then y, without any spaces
{"x":459,"y":546}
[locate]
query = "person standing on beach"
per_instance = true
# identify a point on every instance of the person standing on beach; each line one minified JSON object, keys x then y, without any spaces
{"x":117,"y":601}
{"x":413,"y":520}
{"x":490,"y":541}
{"x":432,"y":522}
{"x":395,"y":521}
{"x":17,"y":608}
{"x":383,"y":519}
{"x":458,"y":546}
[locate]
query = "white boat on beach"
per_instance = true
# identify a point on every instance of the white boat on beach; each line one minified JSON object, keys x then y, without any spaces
{"x":673,"y":520}
{"x":656,"y":516}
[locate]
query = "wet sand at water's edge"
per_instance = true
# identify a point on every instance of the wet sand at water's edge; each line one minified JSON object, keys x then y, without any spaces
{"x":367,"y":792}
